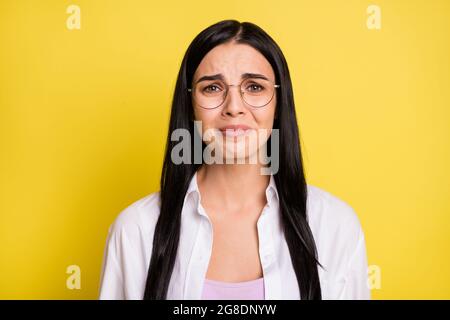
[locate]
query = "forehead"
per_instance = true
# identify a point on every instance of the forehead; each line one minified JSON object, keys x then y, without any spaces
{"x":232,"y":60}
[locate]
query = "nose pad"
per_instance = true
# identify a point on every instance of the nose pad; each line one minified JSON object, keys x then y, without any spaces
{"x":234,"y":101}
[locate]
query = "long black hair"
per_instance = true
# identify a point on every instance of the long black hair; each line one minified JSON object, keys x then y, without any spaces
{"x":289,"y":179}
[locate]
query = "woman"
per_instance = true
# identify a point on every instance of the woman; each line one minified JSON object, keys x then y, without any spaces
{"x":225,"y":229}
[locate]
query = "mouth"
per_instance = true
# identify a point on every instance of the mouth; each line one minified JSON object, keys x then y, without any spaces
{"x":235,"y":130}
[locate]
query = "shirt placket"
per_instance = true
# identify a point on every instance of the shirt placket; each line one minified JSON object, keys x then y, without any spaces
{"x":272,"y":277}
{"x":201,"y":255}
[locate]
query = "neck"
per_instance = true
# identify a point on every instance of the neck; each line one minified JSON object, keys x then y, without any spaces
{"x":233,"y":186}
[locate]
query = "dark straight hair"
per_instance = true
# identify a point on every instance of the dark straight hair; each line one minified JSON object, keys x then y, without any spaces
{"x":289,"y":179}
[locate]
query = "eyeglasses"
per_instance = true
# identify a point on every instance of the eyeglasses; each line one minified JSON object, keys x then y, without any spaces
{"x":255,"y":92}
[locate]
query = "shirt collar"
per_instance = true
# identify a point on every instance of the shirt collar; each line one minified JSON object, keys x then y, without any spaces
{"x":194,"y":192}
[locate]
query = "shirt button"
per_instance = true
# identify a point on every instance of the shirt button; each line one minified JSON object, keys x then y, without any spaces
{"x":266,"y":259}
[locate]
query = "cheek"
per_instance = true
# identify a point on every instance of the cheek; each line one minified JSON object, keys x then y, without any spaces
{"x":207,"y":119}
{"x":205,"y":116}
{"x":266,"y":117}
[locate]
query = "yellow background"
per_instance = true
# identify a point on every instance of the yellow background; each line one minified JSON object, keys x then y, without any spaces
{"x":84,"y":116}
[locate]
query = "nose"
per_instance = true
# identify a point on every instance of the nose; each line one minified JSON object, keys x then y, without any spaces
{"x":233,"y":104}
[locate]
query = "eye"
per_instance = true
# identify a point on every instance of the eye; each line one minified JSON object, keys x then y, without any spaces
{"x":254,"y":87}
{"x":212,"y":88}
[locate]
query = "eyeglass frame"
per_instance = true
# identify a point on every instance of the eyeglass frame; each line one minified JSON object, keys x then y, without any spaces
{"x":240,"y":93}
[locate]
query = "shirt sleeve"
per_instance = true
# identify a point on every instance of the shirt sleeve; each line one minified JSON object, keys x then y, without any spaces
{"x":356,"y":285}
{"x":111,"y":279}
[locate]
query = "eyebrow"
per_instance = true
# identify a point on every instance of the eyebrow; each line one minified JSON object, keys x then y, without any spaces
{"x":220,"y":76}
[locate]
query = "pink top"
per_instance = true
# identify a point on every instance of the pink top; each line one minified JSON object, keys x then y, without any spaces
{"x":246,"y":290}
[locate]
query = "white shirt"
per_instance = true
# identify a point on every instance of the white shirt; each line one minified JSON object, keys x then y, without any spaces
{"x":335,"y":226}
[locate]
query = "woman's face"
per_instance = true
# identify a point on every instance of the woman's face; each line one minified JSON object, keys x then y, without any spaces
{"x":234,"y":62}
